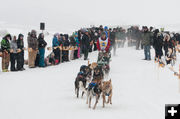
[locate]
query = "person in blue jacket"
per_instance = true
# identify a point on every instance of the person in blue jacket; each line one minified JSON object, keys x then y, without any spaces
{"x":56,"y":49}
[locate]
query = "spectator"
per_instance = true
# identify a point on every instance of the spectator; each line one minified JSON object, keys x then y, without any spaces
{"x":86,"y":44}
{"x":72,"y":45}
{"x":56,"y":49}
{"x":50,"y":60}
{"x":13,"y":54}
{"x":32,"y":48}
{"x":77,"y":51}
{"x":65,"y":44}
{"x":5,"y":47}
{"x":20,"y":53}
{"x":147,"y":43}
{"x":42,"y":44}
{"x":113,"y":42}
{"x":158,"y":44}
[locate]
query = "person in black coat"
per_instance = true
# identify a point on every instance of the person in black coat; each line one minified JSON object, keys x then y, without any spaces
{"x":91,"y":36}
{"x":158,"y":44}
{"x":80,"y":41}
{"x":72,"y":41}
{"x":41,"y":46}
{"x":96,"y":36}
{"x":85,"y":44}
{"x":177,"y":35}
{"x":72,"y":44}
{"x":167,"y":43}
{"x":113,"y":43}
{"x":20,"y":52}
{"x":65,"y":53}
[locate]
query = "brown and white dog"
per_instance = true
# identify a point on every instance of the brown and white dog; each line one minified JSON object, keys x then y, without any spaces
{"x":92,"y":65}
{"x":107,"y":91}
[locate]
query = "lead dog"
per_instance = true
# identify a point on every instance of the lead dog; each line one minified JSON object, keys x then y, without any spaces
{"x":80,"y":83}
{"x":94,"y":90}
{"x":107,"y":91}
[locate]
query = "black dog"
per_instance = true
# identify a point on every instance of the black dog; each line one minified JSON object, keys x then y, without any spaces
{"x":87,"y":71}
{"x":94,"y":90}
{"x":98,"y":74}
{"x":80,"y":83}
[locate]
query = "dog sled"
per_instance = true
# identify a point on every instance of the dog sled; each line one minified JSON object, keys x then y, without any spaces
{"x":103,"y":61}
{"x":103,"y":58}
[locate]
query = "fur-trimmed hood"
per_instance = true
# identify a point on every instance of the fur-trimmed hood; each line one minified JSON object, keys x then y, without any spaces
{"x":166,"y":37}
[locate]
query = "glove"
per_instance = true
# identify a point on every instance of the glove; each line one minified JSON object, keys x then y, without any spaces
{"x":11,"y":50}
{"x":18,"y":50}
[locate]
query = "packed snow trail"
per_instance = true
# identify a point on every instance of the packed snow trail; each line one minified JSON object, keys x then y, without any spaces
{"x":140,"y":90}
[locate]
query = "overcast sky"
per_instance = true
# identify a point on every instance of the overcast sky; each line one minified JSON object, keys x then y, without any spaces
{"x":77,"y":13}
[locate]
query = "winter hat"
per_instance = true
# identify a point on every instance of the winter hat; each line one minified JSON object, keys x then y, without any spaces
{"x":106,"y":28}
{"x":103,"y":33}
{"x":33,"y":32}
{"x":56,"y":34}
{"x":85,"y":30}
{"x":156,"y":31}
{"x":20,"y":35}
{"x":41,"y":35}
{"x":76,"y":34}
{"x":8,"y":35}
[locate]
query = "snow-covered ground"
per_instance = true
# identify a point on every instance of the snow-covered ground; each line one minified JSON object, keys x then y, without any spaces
{"x":140,"y":90}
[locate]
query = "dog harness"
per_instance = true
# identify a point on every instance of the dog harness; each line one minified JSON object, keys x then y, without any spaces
{"x":92,"y":87}
{"x":108,"y":94}
{"x":92,"y":84}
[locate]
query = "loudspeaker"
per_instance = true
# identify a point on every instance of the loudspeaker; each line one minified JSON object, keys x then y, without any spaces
{"x":42,"y":26}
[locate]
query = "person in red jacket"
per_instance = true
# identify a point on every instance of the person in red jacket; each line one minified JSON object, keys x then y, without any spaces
{"x":103,"y":43}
